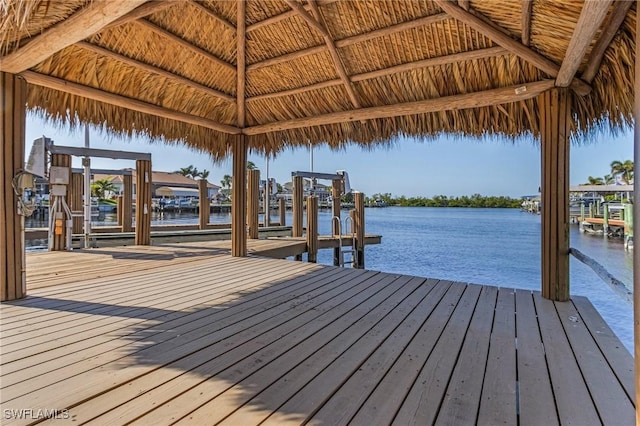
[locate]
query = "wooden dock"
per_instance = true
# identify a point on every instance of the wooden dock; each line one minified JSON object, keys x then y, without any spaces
{"x":187,"y":334}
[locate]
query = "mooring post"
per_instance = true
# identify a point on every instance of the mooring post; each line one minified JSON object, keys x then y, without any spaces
{"x":282,"y":210}
{"x":582,"y":216}
{"x":118,"y":210}
{"x":127,"y":203}
{"x":336,"y":193}
{"x":143,"y":203}
{"x":297,"y":207}
{"x":204,"y":205}
{"x":312,"y":228}
{"x":605,"y":221}
{"x":359,"y":227}
{"x":253,"y":202}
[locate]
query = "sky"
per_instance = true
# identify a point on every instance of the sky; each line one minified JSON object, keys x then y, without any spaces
{"x":413,"y":168}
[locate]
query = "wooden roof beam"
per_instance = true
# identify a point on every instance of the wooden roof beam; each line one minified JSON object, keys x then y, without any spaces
{"x":609,"y":30}
{"x":525,"y":21}
{"x":228,"y":25}
{"x":280,"y":17}
{"x":591,"y":17}
{"x":82,"y":24}
{"x":499,"y":37}
{"x":154,"y":70}
{"x":123,"y":101}
{"x":425,"y":63}
{"x":359,"y":38}
{"x":446,"y":103}
{"x":179,"y":41}
{"x":140,"y":12}
{"x":317,"y":22}
{"x":241,"y":70}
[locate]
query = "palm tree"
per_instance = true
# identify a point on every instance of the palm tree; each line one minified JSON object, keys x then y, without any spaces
{"x":186,"y":171}
{"x":609,"y":179}
{"x":226,"y":181}
{"x":100,"y":188}
{"x":204,"y":174}
{"x":251,"y":165}
{"x":624,"y":170}
{"x":594,"y":181}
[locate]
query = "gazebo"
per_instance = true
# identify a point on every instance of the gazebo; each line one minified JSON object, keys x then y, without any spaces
{"x":229,"y":77}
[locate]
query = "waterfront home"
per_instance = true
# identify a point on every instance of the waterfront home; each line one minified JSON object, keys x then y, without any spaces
{"x":223,"y":334}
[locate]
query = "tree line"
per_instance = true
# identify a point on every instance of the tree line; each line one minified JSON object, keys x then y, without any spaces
{"x":475,"y":200}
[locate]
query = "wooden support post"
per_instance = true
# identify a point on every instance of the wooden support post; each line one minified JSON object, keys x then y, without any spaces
{"x":59,"y":238}
{"x":12,"y":257}
{"x":75,"y":194}
{"x":253,"y":202}
{"x":635,"y":220}
{"x":336,"y":193}
{"x":282,"y":210}
{"x":582,"y":216}
{"x":555,"y":106}
{"x":143,"y":203}
{"x":312,"y":228}
{"x":296,"y":206}
{"x":605,"y":221}
{"x":239,"y":198}
{"x":359,"y":228}
{"x":127,"y":203}
{"x":119,"y":202}
{"x":205,"y":204}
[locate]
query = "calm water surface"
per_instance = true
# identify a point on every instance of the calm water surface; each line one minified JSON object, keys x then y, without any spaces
{"x":483,"y":246}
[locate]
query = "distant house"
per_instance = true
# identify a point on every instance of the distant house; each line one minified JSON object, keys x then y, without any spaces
{"x":169,"y":184}
{"x":322,"y":191}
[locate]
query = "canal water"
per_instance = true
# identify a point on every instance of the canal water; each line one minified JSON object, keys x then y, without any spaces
{"x":483,"y":246}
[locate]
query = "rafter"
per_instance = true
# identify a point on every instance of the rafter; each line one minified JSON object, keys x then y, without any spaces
{"x":241,"y":71}
{"x":447,"y":103}
{"x":154,"y":70}
{"x":175,"y":39}
{"x":82,"y":24}
{"x":359,"y":38}
{"x":425,"y":63}
{"x":123,"y":101}
{"x":213,"y":15}
{"x":536,"y":59}
{"x":609,"y":30}
{"x":464,"y":4}
{"x":333,"y":51}
{"x":526,"y":21}
{"x":591,"y":16}
{"x":281,"y":17}
{"x":140,"y":12}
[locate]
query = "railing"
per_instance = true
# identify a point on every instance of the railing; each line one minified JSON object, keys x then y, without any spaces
{"x":616,"y":285}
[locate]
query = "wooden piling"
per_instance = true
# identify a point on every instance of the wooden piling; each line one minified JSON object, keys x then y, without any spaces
{"x":282,"y":210}
{"x":336,"y":193}
{"x":204,"y":206}
{"x":359,"y":228}
{"x":555,"y":119}
{"x":119,"y":209}
{"x":12,"y":262}
{"x":239,"y":198}
{"x":60,"y":234}
{"x":127,"y":203}
{"x":143,"y":203}
{"x":312,"y":228}
{"x":605,"y":221}
{"x":253,"y":203}
{"x":297,"y":207}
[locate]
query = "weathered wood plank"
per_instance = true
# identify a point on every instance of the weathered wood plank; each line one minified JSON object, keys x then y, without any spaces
{"x":535,"y":395}
{"x":498,"y":401}
{"x":573,"y":400}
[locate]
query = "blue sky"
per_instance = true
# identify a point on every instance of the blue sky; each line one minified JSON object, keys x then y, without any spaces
{"x":413,"y":168}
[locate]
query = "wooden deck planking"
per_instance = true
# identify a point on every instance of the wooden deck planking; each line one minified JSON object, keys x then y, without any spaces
{"x":247,"y":340}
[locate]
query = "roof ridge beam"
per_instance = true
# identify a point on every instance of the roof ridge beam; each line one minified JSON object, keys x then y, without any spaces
{"x":88,"y":92}
{"x":591,"y":17}
{"x":140,"y":12}
{"x":483,"y":98}
{"x":241,"y":61}
{"x":610,"y":28}
{"x":424,"y":63}
{"x":174,"y":38}
{"x":82,"y":24}
{"x":213,"y":15}
{"x":155,"y":70}
{"x":358,"y":38}
{"x":317,"y":22}
{"x":499,"y":37}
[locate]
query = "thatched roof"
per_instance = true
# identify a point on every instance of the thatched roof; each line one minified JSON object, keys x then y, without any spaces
{"x":323,"y":71}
